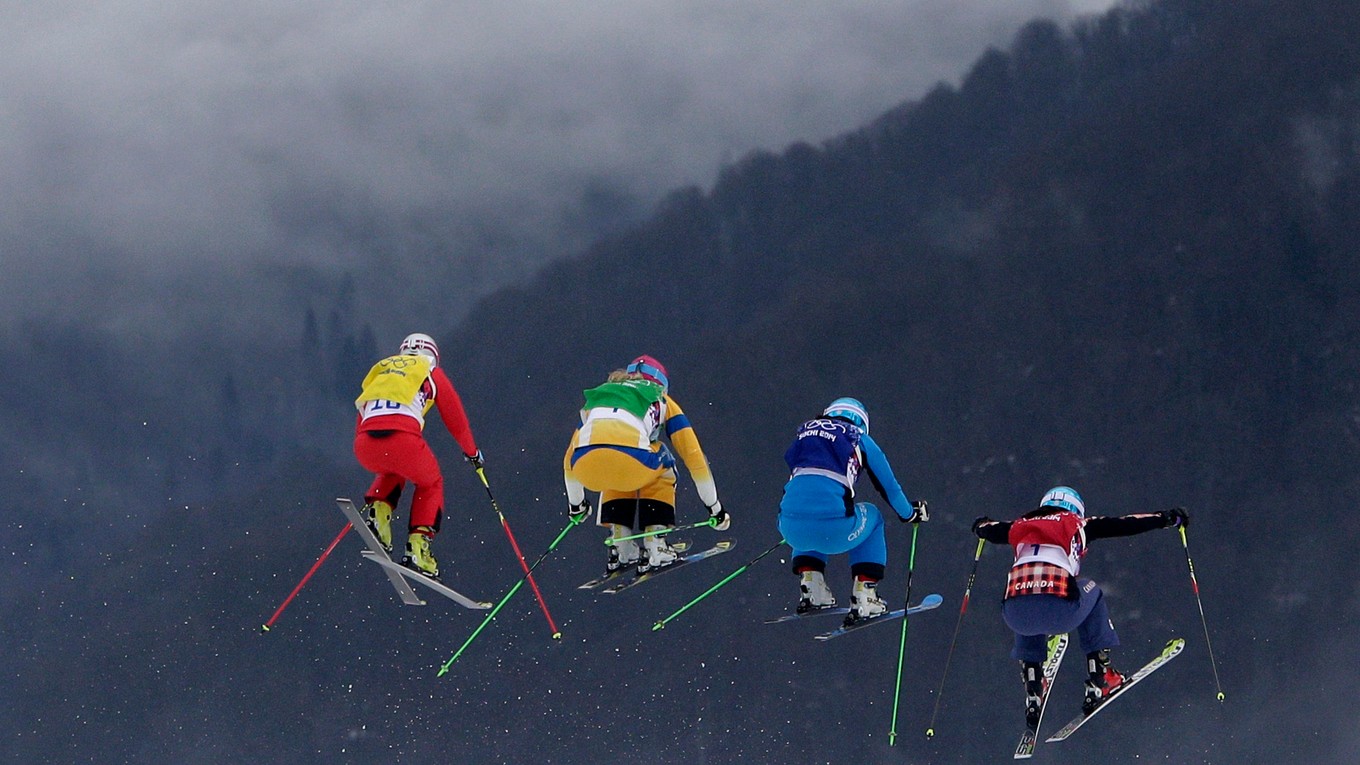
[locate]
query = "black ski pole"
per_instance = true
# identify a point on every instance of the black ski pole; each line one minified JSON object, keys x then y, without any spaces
{"x":1195,"y":584}
{"x":714,"y":588}
{"x":967,"y":592}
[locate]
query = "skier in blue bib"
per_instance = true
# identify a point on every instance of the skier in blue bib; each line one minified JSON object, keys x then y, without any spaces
{"x":819,"y":516}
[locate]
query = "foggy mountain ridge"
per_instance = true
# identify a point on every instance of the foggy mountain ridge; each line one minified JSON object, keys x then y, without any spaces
{"x":1116,"y":255}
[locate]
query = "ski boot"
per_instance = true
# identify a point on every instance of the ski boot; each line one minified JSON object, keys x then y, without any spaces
{"x":418,"y":557}
{"x":815,"y":594}
{"x":623,"y":554}
{"x":378,"y":518}
{"x":864,"y":602}
{"x":1035,"y":686}
{"x":657,"y":553}
{"x":1102,"y":680}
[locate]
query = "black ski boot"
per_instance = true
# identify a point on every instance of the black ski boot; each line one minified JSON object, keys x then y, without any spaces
{"x":1033,"y":674}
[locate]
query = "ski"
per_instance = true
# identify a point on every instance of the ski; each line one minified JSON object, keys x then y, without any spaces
{"x":399,"y":583}
{"x":823,"y":611}
{"x":684,"y":560}
{"x":927,"y":603}
{"x":434,"y":584}
{"x":1057,"y":646}
{"x":1171,"y":651}
{"x":609,"y":576}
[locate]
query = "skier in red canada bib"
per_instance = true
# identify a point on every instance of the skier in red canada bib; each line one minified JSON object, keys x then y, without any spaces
{"x":1045,"y":596}
{"x":398,"y":393}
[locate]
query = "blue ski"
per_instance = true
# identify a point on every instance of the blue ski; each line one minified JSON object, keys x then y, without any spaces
{"x":927,"y":603}
{"x":684,"y":560}
{"x":609,"y":576}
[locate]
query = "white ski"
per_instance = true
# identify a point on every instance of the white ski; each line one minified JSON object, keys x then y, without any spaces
{"x":399,"y":583}
{"x":1057,"y":646}
{"x":443,"y":589}
{"x":1171,"y":651}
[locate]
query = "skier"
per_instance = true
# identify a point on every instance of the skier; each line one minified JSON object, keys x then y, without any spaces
{"x":617,"y":452}
{"x":818,"y":515}
{"x":398,"y":393}
{"x":1044,"y":595}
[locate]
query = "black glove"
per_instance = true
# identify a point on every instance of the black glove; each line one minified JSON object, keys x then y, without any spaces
{"x":717,"y":513}
{"x":979,"y":522}
{"x":577,"y":513}
{"x":1176,"y":517}
{"x":476,"y":460}
{"x":919,"y":515}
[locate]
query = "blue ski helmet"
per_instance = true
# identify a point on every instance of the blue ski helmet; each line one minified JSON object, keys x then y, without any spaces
{"x":851,"y":409}
{"x":1064,"y":498}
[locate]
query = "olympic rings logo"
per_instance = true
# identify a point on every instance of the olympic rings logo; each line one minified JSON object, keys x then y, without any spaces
{"x":400,"y":362}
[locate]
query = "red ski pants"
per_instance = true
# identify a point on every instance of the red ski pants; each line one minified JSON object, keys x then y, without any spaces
{"x":396,"y":458}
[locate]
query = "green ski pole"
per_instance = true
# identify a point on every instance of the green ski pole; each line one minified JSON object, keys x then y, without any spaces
{"x":445,"y":668}
{"x":902,"y":647}
{"x":715,"y":587}
{"x":669,"y":530}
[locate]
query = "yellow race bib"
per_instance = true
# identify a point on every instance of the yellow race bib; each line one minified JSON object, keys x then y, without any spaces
{"x":395,"y":378}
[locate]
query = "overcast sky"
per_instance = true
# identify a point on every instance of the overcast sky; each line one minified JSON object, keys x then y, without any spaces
{"x":148,"y":143}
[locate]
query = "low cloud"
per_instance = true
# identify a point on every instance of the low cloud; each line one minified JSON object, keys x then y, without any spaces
{"x":149,"y":147}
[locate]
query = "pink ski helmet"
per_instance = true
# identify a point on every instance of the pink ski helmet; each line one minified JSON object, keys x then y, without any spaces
{"x":650,"y":369}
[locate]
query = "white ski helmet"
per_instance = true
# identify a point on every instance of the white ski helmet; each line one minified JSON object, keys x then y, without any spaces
{"x":1064,"y":498}
{"x":419,"y":344}
{"x":851,"y":409}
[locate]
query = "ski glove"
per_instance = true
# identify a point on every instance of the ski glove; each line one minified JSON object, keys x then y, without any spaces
{"x":577,"y":513}
{"x":919,"y":513}
{"x":1176,"y":517}
{"x":476,"y":460}
{"x":717,"y":513}
{"x":979,"y":522}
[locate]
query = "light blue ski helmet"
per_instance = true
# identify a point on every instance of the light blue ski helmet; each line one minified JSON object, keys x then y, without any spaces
{"x":1064,"y":498}
{"x":851,"y":409}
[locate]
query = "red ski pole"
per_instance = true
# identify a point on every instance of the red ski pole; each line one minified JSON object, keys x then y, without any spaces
{"x":265,"y":627}
{"x":556,"y":633}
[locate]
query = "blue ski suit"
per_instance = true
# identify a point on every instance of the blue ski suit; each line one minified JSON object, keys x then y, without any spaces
{"x":818,"y":515}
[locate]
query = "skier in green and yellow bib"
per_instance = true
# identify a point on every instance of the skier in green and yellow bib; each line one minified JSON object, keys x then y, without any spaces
{"x":617,"y":451}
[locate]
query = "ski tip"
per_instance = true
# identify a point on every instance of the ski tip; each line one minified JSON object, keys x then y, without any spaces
{"x":724,"y":544}
{"x":484,"y":605}
{"x":933,"y":599}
